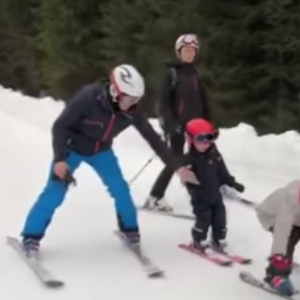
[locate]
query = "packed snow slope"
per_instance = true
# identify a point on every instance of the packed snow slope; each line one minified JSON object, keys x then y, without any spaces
{"x":80,"y":247}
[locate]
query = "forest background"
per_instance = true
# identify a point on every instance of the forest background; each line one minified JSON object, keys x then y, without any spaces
{"x":249,"y":57}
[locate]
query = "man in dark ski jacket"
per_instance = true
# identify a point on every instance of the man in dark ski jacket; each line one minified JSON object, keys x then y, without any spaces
{"x":182,"y":98}
{"x":84,"y":132}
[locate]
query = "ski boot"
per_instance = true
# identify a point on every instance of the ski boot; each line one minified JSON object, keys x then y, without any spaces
{"x":277,"y":275}
{"x":199,"y":240}
{"x":132,"y":236}
{"x":219,"y":245}
{"x":31,"y":247}
{"x":201,"y":246}
{"x":153,"y":203}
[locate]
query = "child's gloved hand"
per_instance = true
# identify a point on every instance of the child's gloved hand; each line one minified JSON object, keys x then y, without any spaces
{"x":239,"y":187}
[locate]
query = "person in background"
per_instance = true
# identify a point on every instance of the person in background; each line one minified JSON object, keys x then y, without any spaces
{"x":182,"y":98}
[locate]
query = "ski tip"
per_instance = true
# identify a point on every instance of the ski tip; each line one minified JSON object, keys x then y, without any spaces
{"x":156,"y":274}
{"x":242,"y":260}
{"x":55,"y":283}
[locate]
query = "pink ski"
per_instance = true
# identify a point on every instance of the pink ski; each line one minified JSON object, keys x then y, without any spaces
{"x":238,"y":259}
{"x":234,"y":257}
{"x":211,"y":256}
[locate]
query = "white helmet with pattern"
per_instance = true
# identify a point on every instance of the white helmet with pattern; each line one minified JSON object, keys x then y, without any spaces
{"x":189,"y":40}
{"x":126,"y":80}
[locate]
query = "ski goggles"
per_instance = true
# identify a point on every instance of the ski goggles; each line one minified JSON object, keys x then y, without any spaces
{"x":203,"y":137}
{"x":190,"y":40}
{"x":130,"y":99}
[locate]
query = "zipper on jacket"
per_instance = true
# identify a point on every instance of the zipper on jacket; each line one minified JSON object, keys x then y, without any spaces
{"x":106,"y":133}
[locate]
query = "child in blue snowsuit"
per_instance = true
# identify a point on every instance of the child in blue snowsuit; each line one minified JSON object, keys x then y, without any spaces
{"x":84,"y":132}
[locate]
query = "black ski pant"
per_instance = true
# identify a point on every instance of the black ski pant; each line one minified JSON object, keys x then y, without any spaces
{"x":209,"y":215}
{"x":176,"y":144}
{"x":293,"y":241}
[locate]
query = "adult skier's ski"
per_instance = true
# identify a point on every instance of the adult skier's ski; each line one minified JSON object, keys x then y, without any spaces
{"x":151,"y":269}
{"x":234,"y":257}
{"x":165,"y":213}
{"x":212,"y":256}
{"x":45,"y":276}
{"x":248,"y":278}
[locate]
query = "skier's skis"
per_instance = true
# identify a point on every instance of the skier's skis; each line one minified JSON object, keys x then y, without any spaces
{"x":212,"y":256}
{"x":165,"y":213}
{"x":151,"y":269}
{"x":248,"y":278}
{"x":46,"y":277}
{"x":234,"y":257}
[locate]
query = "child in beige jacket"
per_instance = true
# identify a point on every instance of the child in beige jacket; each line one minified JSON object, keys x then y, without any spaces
{"x":279,"y":213}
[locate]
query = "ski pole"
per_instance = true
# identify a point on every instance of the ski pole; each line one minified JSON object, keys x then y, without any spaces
{"x":132,"y":180}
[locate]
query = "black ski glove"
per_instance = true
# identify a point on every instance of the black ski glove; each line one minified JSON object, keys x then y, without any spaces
{"x":67,"y":181}
{"x":239,"y":187}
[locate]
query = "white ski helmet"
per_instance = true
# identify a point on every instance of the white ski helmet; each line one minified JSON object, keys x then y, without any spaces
{"x":190,"y":40}
{"x":126,"y":79}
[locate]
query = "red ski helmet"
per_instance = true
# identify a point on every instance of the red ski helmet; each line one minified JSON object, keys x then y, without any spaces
{"x":199,"y":130}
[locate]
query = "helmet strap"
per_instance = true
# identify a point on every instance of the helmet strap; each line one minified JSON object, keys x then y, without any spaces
{"x":113,"y":92}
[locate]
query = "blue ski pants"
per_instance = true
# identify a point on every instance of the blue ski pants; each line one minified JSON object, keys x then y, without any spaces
{"x":107,"y":167}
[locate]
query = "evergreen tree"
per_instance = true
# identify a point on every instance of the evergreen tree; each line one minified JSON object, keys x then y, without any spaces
{"x":249,"y":55}
{"x":252,"y":62}
{"x":18,"y":56}
{"x":70,"y":40}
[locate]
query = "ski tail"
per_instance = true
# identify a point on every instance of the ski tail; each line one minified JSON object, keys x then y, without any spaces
{"x":43,"y":274}
{"x":150,"y":268}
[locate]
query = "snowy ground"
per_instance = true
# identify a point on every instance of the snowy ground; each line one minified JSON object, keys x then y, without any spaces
{"x":80,"y":247}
